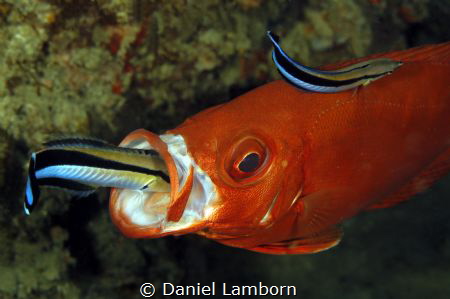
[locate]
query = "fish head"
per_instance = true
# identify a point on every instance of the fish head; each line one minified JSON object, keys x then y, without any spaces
{"x":233,"y":174}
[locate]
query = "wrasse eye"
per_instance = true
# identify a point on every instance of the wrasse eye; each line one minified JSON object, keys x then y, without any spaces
{"x":250,"y":163}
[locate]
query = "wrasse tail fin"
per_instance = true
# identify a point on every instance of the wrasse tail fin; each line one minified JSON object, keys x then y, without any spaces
{"x":32,"y":191}
{"x":439,"y":168}
{"x":315,"y":243}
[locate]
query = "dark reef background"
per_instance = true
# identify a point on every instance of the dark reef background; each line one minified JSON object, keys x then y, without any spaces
{"x":104,"y":68}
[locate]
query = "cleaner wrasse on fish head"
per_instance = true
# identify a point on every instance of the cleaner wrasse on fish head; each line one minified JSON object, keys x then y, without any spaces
{"x":277,"y":169}
{"x":328,"y":81}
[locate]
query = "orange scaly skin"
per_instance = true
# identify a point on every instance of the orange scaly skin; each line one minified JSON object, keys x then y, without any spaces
{"x":329,"y":156}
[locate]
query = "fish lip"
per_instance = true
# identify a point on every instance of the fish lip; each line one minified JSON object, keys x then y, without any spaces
{"x":174,"y":220}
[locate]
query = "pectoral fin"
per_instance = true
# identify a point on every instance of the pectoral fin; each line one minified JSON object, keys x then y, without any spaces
{"x":316,"y":243}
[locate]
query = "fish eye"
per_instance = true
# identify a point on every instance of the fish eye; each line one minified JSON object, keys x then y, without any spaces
{"x":247,"y":160}
{"x":250,"y":163}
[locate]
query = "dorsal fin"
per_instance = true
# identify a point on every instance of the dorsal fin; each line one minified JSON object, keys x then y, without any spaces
{"x":77,"y":141}
{"x":438,"y":53}
{"x":87,"y":142}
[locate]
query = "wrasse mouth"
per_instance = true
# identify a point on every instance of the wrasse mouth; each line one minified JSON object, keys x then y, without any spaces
{"x":184,"y":208}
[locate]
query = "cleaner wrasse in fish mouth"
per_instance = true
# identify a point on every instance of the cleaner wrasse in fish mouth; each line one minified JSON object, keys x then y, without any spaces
{"x":277,"y":169}
{"x":81,"y":165}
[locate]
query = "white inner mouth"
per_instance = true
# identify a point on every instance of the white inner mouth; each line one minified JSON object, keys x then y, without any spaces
{"x":148,"y":208}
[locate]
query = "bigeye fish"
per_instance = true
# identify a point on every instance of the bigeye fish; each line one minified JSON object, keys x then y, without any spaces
{"x":328,"y":81}
{"x":278,"y":169}
{"x":81,"y":165}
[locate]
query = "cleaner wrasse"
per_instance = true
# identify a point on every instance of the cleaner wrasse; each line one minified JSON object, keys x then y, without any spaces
{"x":307,"y":78}
{"x":81,"y":165}
{"x":277,"y":169}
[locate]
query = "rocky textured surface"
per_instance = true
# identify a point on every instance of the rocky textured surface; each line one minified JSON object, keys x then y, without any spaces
{"x":104,"y":68}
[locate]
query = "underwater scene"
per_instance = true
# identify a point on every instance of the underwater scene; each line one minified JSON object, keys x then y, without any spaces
{"x":248,"y":148}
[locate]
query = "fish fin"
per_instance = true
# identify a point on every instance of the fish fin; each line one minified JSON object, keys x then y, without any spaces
{"x":76,"y":141}
{"x":73,"y":187}
{"x":93,"y":143}
{"x":32,"y":191}
{"x":438,"y":53}
{"x":318,"y":212}
{"x":439,"y":168}
{"x":81,"y":194}
{"x":305,"y":245}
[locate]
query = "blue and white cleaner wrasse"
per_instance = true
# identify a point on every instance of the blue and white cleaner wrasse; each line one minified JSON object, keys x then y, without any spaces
{"x":309,"y":79}
{"x":81,"y":165}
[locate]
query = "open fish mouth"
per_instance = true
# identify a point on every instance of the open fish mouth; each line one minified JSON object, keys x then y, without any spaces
{"x":184,"y":208}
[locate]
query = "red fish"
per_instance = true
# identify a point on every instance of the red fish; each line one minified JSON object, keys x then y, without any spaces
{"x":277,"y":169}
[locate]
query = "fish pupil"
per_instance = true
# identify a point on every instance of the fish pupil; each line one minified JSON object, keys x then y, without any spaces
{"x":250,"y":163}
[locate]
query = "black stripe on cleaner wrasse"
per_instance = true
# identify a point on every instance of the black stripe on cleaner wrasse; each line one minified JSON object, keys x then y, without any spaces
{"x":94,"y":143}
{"x":315,"y":80}
{"x":81,"y":165}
